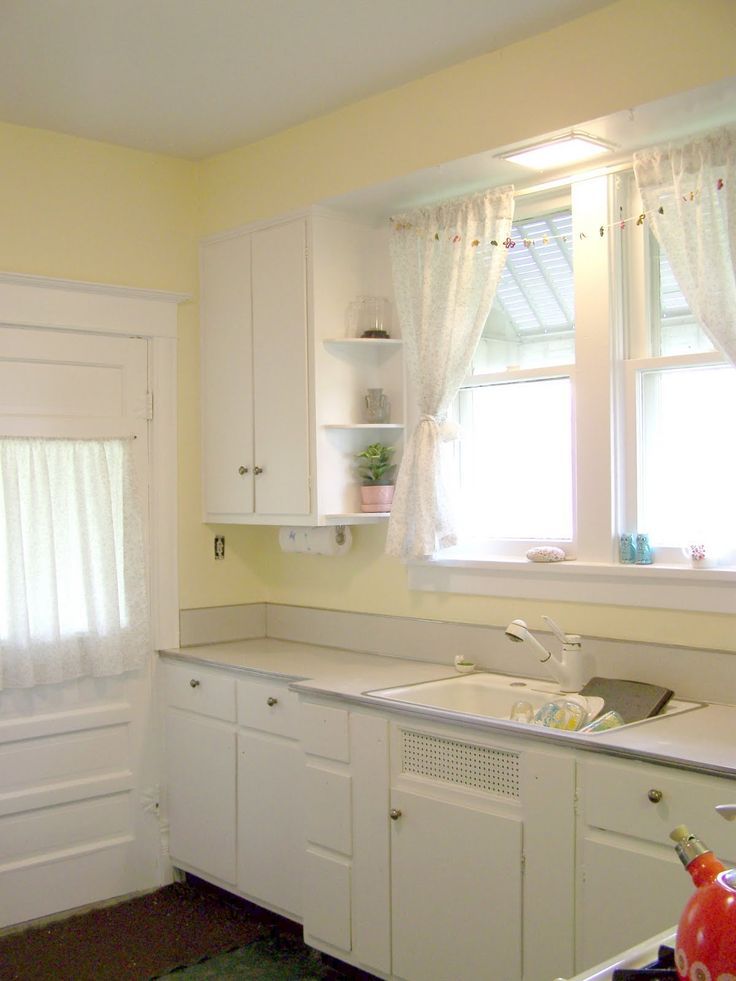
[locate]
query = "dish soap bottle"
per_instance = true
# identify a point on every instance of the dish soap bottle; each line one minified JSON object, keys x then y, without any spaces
{"x":706,"y":933}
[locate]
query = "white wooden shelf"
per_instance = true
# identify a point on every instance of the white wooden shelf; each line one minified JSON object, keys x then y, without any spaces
{"x":357,"y":518}
{"x":363,"y":342}
{"x":364,"y":425}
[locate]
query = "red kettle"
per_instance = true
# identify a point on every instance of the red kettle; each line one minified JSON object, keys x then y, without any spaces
{"x":705,"y":948}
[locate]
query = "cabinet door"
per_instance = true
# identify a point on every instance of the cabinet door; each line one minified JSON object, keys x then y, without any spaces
{"x":456,"y":891}
{"x":227,"y":371}
{"x":200,"y":769}
{"x":628,"y":893}
{"x":280,"y":373}
{"x":627,"y":863}
{"x":270,"y":821}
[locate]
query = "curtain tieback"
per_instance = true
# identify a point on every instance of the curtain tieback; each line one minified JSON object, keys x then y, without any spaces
{"x":446,"y":430}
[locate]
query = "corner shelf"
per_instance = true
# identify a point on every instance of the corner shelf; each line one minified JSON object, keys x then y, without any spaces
{"x":364,"y":425}
{"x":357,"y":518}
{"x":385,"y":342}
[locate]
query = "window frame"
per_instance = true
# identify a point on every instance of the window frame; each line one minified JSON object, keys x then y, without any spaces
{"x":605,"y":442}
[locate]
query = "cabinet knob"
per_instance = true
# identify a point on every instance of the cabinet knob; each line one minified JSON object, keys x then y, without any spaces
{"x":257,"y":470}
{"x":194,"y":682}
{"x":655,"y":796}
{"x":242,"y":471}
{"x":271,"y":700}
{"x":394,"y":814}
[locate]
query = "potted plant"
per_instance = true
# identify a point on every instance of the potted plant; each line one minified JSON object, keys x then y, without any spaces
{"x":377,"y":476}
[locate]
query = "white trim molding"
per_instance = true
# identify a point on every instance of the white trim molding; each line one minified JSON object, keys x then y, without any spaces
{"x":66,"y":304}
{"x":655,"y":586}
{"x":61,"y":304}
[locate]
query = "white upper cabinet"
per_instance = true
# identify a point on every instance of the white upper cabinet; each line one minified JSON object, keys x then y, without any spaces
{"x":227,"y":373}
{"x":283,"y":385}
{"x":281,"y":462}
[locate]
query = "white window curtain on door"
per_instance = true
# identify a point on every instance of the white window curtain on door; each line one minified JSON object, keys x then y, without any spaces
{"x":694,"y":185}
{"x":446,"y":261}
{"x":73,"y":598}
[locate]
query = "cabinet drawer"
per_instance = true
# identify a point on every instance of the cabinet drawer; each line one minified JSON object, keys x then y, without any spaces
{"x":268,"y":706}
{"x":328,"y":797}
{"x":327,"y":914}
{"x":646,"y":801}
{"x":325,"y":732}
{"x":201,"y":690}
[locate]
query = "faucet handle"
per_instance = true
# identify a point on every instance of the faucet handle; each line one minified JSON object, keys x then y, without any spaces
{"x":559,"y":633}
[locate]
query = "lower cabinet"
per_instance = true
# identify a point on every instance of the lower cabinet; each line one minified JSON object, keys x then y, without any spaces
{"x":456,"y":884}
{"x":631,"y":884}
{"x":270,"y":835}
{"x":430,"y":852}
{"x":234,"y":783}
{"x":422,"y":851}
{"x":200,"y":770}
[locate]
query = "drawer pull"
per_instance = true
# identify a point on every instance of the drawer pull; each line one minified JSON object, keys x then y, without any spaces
{"x":194,"y":682}
{"x":271,"y":700}
{"x":655,"y":796}
{"x":394,"y":814}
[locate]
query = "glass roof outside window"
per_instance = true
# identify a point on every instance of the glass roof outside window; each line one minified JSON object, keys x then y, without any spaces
{"x":532,"y":321}
{"x":536,"y":290}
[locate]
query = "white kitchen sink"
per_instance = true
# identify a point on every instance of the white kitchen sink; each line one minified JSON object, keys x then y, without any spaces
{"x":492,"y":696}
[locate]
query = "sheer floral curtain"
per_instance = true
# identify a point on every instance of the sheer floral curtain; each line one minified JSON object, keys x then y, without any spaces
{"x":72,"y":572}
{"x":689,"y":192}
{"x":446,"y":261}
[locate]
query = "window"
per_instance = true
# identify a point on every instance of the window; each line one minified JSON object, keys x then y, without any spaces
{"x":72,"y":576}
{"x":522,"y":376}
{"x":680,"y":392}
{"x":595,"y":406}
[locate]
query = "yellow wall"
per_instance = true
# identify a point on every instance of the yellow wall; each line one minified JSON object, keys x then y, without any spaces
{"x":78,"y":209}
{"x":621,"y":56}
{"x":628,"y":53}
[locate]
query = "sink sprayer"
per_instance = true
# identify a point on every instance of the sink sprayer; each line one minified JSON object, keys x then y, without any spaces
{"x":567,"y":668}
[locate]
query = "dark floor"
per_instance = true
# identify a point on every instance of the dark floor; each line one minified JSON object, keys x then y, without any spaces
{"x":281,"y":955}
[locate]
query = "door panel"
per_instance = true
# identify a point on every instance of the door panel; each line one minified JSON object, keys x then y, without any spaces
{"x":75,"y":764}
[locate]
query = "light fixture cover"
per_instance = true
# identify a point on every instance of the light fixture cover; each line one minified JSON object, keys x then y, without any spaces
{"x":571,"y":148}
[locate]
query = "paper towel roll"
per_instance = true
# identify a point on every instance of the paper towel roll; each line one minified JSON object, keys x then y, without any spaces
{"x":335,"y":540}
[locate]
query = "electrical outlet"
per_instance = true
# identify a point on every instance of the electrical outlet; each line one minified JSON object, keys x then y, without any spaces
{"x":219,"y":547}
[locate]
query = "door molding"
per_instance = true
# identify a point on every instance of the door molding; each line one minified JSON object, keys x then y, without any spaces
{"x":61,"y":304}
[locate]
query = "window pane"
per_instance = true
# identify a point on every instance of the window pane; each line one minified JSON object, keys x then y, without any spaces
{"x":688,"y":459}
{"x":516,"y":461}
{"x":678,"y":329}
{"x":532,"y":320}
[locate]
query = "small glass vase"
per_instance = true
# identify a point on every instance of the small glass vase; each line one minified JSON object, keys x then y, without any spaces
{"x":377,"y":406}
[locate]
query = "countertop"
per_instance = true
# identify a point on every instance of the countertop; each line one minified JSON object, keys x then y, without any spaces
{"x":702,"y":739}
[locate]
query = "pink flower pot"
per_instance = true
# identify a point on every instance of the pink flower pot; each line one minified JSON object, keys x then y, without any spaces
{"x":376,"y":497}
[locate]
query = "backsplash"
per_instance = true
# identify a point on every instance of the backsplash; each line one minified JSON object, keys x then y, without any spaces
{"x":707,"y":675}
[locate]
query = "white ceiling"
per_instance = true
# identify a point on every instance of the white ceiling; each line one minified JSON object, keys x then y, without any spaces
{"x":196,"y":77}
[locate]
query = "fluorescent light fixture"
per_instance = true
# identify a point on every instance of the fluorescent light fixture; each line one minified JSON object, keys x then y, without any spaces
{"x":572,"y":148}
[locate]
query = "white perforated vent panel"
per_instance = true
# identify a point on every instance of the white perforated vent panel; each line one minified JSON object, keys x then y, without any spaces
{"x":495,"y":771}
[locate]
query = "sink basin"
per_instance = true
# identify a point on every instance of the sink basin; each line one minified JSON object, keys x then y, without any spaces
{"x":492,"y":696}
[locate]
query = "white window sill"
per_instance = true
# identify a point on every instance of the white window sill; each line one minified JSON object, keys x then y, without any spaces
{"x":657,"y":586}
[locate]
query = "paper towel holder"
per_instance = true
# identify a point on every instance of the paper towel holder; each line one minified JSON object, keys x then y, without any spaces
{"x":340,"y":534}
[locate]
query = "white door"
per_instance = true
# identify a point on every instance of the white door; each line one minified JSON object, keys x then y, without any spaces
{"x":78,"y":794}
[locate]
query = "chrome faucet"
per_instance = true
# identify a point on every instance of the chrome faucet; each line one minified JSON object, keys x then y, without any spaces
{"x":567,"y":668}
